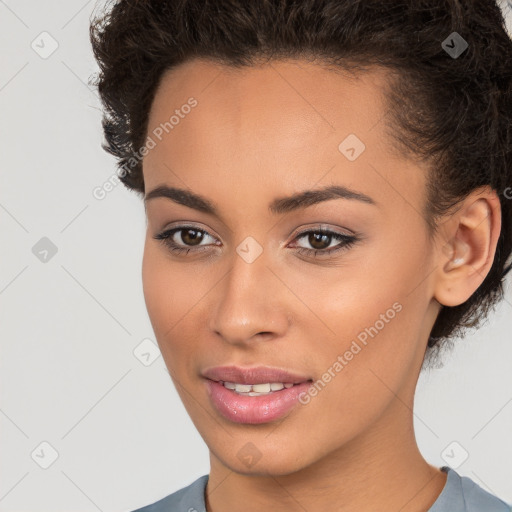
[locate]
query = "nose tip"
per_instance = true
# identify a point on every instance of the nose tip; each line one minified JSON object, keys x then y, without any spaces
{"x":246,"y":312}
{"x":239,"y":332}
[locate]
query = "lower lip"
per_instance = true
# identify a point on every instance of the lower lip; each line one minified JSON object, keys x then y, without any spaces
{"x":254,"y":409}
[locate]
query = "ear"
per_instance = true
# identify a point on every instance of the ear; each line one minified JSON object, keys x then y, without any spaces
{"x":467,"y":242}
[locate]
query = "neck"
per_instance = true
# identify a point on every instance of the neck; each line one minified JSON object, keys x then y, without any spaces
{"x":382,"y":468}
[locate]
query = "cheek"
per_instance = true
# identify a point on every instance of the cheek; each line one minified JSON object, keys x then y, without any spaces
{"x":172,"y":293}
{"x":155,"y":287}
{"x":163,"y":291}
{"x":368,"y":335}
{"x":370,"y":361}
{"x":374,"y":312}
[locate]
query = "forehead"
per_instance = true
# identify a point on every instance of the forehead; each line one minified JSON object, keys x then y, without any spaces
{"x":296,"y":96}
{"x":273,"y":124}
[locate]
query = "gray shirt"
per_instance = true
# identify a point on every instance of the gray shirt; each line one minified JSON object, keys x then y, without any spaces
{"x":460,"y":494}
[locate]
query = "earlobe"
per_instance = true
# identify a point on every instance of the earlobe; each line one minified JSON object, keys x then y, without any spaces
{"x":467,"y":258}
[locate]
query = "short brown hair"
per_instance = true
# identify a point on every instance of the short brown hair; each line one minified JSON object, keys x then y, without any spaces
{"x":453,"y":112}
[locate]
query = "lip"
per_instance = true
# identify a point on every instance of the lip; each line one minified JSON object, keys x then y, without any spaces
{"x":254,"y":409}
{"x":253,"y":375}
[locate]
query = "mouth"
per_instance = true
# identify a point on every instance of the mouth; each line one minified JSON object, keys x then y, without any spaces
{"x":253,"y":375}
{"x":254,"y":395}
{"x":262,"y":389}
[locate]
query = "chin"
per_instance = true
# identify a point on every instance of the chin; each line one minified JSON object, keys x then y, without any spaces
{"x":262,"y":469}
{"x":269,"y":461}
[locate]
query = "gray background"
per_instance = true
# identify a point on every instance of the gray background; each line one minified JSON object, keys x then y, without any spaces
{"x":115,"y":433}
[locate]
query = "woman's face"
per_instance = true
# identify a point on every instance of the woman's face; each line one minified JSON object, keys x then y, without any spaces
{"x":251,"y":291}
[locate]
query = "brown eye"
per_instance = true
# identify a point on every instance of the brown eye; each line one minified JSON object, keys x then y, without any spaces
{"x":191,"y":236}
{"x":320,"y":239}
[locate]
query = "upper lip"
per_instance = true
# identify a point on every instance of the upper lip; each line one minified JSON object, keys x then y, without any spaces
{"x":252,"y":375}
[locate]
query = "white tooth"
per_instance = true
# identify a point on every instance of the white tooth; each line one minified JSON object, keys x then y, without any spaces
{"x":243,"y":388}
{"x":261,"y":388}
{"x":229,"y":385}
{"x":258,"y":394}
{"x":276,"y":386}
{"x":288,"y":385}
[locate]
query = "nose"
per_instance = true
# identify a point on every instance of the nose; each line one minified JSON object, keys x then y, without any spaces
{"x":249,"y":303}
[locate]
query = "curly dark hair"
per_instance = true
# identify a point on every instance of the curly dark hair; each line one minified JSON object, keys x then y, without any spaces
{"x":453,"y":112}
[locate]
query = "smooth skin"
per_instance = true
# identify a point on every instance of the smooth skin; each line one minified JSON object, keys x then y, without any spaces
{"x":266,"y":132}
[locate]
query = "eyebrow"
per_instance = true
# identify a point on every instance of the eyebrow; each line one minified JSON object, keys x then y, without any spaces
{"x":278,"y":206}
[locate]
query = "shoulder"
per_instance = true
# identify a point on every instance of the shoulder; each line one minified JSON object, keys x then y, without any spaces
{"x":478,"y":499}
{"x":187,"y":499}
{"x":462,"y":494}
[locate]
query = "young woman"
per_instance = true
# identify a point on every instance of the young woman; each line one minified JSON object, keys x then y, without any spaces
{"x":327,"y":187}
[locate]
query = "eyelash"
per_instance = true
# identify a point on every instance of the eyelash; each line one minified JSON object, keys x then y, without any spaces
{"x":347,"y":240}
